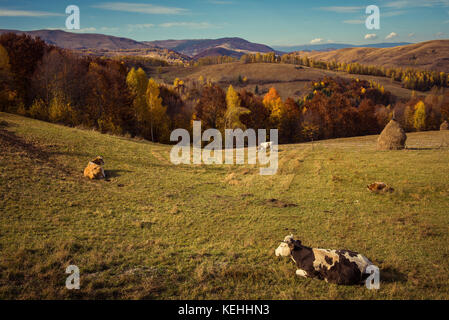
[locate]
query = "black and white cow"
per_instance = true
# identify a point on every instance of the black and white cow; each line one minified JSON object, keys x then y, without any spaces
{"x":334,"y":266}
{"x":265,"y":145}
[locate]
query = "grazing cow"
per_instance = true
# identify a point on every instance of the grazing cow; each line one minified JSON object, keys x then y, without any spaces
{"x":334,"y":266}
{"x":94,"y":169}
{"x":265,"y":145}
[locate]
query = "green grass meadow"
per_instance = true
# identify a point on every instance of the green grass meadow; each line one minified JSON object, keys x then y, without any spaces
{"x":154,"y":230}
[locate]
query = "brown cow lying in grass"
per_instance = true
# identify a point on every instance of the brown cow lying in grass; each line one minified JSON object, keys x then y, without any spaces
{"x":379,"y":187}
{"x":94,"y":169}
{"x":334,"y":266}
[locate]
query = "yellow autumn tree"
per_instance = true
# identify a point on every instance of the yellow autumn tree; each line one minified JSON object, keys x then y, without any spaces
{"x":178,"y":84}
{"x":420,"y":116}
{"x":158,"y":118}
{"x":59,"y":110}
{"x":234,"y":110}
{"x":137,"y":82}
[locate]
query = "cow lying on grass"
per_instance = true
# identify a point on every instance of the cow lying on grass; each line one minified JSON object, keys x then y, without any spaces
{"x":334,"y":266}
{"x":94,"y":169}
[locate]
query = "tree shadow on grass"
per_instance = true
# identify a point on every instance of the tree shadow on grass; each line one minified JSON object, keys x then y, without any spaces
{"x":16,"y":144}
{"x":421,"y":149}
{"x":115,"y":173}
{"x":390,"y":275}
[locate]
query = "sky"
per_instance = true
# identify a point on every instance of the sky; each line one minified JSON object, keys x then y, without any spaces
{"x":274,"y":22}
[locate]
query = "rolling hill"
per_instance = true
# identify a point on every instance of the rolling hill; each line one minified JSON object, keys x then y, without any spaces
{"x":430,"y":55}
{"x":336,"y":46}
{"x":103,"y":45}
{"x":235,"y":46}
{"x":288,"y":80}
{"x":78,"y":41}
{"x":219,"y":51}
{"x":177,"y":50}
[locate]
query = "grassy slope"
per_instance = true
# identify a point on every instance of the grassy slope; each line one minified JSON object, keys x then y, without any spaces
{"x":289,"y":81}
{"x":155,"y":230}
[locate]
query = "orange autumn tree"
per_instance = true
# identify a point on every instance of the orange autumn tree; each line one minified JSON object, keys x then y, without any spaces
{"x":273,"y":102}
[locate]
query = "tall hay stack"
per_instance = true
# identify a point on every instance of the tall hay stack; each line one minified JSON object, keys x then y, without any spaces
{"x":393,"y":137}
{"x":444,"y":126}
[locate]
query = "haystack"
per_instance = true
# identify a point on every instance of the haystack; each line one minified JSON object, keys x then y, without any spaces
{"x":393,"y":137}
{"x":444,"y":126}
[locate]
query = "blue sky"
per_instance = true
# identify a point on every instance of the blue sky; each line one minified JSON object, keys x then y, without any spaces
{"x":274,"y":22}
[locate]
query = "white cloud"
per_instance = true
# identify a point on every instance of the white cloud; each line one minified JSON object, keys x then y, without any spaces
{"x":316,"y":41}
{"x":26,"y":13}
{"x":417,"y":3}
{"x":371,"y":36}
{"x":393,"y":13}
{"x":191,"y":25}
{"x":354,"y":21}
{"x":110,"y":29}
{"x":220,"y":2}
{"x":391,"y":36}
{"x":140,"y":8}
{"x":338,"y":9}
{"x":411,"y":35}
{"x":140,"y":26}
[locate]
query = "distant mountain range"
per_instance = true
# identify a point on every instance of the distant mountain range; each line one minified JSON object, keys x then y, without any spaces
{"x":234,"y":47}
{"x":336,"y":46}
{"x":431,"y":55}
{"x":197,"y":48}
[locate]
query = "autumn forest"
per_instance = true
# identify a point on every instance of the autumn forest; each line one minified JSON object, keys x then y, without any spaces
{"x":113,"y":96}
